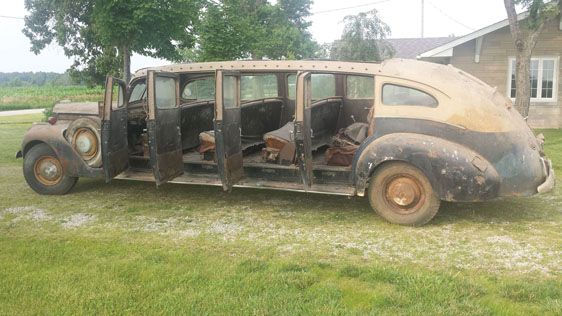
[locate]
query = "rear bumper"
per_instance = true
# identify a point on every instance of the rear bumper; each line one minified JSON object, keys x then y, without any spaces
{"x":548,"y":171}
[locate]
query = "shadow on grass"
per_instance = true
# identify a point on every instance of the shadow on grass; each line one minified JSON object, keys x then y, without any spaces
{"x":175,"y":196}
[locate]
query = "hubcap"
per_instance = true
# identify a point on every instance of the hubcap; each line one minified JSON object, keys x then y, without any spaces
{"x":86,"y":143}
{"x":403,"y":193}
{"x":48,"y":170}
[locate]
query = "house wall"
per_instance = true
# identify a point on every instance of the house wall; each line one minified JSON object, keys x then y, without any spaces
{"x":493,"y":67}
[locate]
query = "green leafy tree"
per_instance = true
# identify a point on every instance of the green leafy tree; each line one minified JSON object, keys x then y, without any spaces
{"x":363,"y":39}
{"x":238,"y":29}
{"x":101,"y":34}
{"x":525,"y":34}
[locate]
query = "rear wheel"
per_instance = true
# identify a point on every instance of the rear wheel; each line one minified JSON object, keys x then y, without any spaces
{"x":44,"y":173}
{"x":402,"y":194}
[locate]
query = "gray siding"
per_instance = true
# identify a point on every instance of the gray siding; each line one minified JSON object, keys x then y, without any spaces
{"x":497,"y":47}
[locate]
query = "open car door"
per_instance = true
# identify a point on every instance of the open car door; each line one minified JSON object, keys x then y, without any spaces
{"x":303,"y":129}
{"x":227,"y":128}
{"x":115,"y":152}
{"x":163,"y":125}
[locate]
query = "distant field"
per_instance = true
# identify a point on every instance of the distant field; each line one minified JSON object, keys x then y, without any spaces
{"x":35,"y":97}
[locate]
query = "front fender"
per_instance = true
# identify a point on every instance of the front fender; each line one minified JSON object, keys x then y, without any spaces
{"x":53,"y":136}
{"x":455,"y":172}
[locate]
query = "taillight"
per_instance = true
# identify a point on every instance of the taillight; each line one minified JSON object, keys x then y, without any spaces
{"x":52,"y":120}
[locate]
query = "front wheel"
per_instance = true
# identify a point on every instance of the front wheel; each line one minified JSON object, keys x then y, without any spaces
{"x":402,"y":194}
{"x":44,"y":173}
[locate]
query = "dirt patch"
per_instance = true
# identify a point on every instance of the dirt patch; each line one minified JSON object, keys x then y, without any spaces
{"x":493,"y":247}
{"x":29,"y":213}
{"x":77,"y":220}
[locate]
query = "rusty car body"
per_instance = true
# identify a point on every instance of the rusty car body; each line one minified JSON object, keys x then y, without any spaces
{"x":407,"y":133}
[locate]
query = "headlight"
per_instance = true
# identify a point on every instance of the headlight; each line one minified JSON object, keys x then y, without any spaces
{"x":86,"y":143}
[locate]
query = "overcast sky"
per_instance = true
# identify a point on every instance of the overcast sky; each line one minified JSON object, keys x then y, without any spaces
{"x":442,"y":18}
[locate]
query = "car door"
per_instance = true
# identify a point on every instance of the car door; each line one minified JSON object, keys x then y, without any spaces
{"x":227,"y":128}
{"x":115,"y":152}
{"x":163,"y":125}
{"x":303,"y":131}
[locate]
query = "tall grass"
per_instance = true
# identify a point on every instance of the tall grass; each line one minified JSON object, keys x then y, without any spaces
{"x":36,"y":97}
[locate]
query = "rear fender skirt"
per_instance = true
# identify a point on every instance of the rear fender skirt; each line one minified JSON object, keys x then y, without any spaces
{"x":456,"y":173}
{"x":53,"y":135}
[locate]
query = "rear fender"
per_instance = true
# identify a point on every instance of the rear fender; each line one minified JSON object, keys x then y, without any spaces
{"x":455,"y":172}
{"x":53,"y":136}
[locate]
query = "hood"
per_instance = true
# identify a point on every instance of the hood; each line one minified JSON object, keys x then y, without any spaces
{"x":82,"y":108}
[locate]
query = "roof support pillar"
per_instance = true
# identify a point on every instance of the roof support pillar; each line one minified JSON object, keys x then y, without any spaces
{"x":478,"y":49}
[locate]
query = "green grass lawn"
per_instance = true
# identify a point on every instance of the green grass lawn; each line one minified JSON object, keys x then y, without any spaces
{"x":37,"y":97}
{"x":132,"y":248}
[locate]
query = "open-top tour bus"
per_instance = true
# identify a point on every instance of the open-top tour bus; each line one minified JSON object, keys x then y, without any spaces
{"x":409,"y":134}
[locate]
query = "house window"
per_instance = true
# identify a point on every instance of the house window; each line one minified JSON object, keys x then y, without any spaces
{"x":543,"y":76}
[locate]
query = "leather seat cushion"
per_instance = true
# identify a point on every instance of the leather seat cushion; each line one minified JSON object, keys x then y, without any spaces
{"x":207,"y":141}
{"x":277,"y":139}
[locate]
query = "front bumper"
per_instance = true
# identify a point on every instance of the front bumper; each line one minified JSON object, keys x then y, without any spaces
{"x":548,"y":184}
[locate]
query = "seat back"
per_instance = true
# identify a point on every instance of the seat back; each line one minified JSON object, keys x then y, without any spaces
{"x":324,"y":117}
{"x":260,"y":117}
{"x":196,"y":118}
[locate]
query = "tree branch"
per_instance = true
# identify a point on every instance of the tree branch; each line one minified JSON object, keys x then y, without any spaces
{"x":534,"y":36}
{"x":513,"y":23}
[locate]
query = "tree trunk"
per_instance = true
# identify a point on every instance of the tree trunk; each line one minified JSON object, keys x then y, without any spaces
{"x":523,"y":84}
{"x":522,"y":61}
{"x":524,"y":46}
{"x":126,"y":54}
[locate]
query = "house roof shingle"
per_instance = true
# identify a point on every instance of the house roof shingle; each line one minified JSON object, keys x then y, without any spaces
{"x":412,"y":47}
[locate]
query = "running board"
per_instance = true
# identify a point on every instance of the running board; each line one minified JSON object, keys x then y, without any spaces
{"x":332,"y":189}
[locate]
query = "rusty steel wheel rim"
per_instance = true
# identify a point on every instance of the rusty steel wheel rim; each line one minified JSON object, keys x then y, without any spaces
{"x":404,"y":194}
{"x":48,"y":170}
{"x":86,"y":143}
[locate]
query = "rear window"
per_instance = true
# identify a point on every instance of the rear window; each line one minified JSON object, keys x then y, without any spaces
{"x":323,"y":86}
{"x":401,"y":95}
{"x":253,"y":87}
{"x":199,"y":89}
{"x":360,"y":87}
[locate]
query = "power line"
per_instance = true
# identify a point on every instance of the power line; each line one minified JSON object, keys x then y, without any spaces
{"x":352,"y":7}
{"x":450,"y":17}
{"x":11,"y":17}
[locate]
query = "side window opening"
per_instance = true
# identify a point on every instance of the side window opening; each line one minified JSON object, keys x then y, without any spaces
{"x":165,"y":92}
{"x":117,"y":96}
{"x":360,"y":87}
{"x":202,"y":89}
{"x":138,"y":92}
{"x":229,"y":92}
{"x":323,"y":86}
{"x":393,"y":94}
{"x":254,"y":87}
{"x":292,"y":86}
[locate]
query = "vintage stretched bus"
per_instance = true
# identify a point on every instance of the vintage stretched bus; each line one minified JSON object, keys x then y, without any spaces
{"x":408,"y":134}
